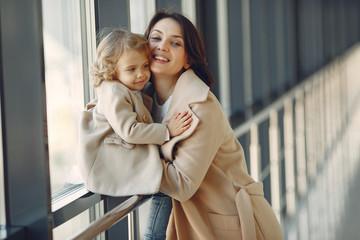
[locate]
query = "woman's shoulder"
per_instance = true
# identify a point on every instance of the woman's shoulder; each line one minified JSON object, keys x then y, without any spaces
{"x":210,"y":106}
{"x":190,"y":88}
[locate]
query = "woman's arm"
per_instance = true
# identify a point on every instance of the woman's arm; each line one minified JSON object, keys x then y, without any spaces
{"x":194,"y":155}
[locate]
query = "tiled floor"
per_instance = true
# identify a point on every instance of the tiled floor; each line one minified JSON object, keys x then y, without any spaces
{"x":349,"y":226}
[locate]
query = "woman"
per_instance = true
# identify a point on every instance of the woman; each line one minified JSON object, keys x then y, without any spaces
{"x":205,"y":172}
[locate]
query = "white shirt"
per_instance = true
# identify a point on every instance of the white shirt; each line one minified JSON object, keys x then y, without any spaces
{"x":159,"y":111}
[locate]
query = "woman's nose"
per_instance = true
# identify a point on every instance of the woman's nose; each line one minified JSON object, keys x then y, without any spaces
{"x":163,"y":46}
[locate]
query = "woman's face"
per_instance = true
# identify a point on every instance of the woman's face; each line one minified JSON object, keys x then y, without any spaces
{"x":166,"y":42}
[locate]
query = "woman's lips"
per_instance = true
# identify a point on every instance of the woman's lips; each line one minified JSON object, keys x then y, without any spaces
{"x":161,"y":58}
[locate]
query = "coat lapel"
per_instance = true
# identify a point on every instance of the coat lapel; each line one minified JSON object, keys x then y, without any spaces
{"x":189,"y":89}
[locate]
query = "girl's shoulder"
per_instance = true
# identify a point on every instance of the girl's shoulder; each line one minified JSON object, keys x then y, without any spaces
{"x":113,"y":86}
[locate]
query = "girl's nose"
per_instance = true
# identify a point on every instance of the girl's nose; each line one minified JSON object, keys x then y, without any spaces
{"x":140,"y":74}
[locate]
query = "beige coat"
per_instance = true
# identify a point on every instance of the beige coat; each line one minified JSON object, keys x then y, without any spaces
{"x":205,"y":173}
{"x":117,"y":155}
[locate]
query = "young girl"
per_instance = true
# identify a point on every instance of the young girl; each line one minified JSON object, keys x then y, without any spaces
{"x":117,"y":135}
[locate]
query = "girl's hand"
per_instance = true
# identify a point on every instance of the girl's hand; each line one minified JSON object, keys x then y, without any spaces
{"x":179,"y":123}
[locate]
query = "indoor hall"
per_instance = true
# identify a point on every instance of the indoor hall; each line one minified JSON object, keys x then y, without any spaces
{"x":287,"y":77}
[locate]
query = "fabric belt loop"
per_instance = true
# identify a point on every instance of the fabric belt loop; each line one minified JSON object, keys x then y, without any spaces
{"x":245,"y":209}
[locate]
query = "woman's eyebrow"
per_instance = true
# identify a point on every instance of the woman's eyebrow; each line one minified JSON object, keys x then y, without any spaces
{"x":156,"y":30}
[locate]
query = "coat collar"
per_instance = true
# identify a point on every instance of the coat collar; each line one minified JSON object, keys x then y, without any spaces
{"x":189,"y":89}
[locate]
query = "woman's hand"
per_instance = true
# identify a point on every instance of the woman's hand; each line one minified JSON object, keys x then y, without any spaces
{"x":179,"y":123}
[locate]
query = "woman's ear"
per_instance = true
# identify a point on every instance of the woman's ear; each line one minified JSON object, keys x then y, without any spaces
{"x":186,"y":66}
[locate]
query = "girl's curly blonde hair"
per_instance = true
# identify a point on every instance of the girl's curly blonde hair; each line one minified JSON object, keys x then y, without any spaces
{"x":110,"y":49}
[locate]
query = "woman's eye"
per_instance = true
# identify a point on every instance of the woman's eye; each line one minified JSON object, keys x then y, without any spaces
{"x":175,"y":43}
{"x":155,"y":38}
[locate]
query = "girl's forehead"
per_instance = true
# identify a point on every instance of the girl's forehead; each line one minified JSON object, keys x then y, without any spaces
{"x":135,"y":52}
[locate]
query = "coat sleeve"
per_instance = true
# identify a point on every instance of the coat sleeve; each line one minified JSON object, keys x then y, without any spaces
{"x":194,"y":155}
{"x":118,"y":108}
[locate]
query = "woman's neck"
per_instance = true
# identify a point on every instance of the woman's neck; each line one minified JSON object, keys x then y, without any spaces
{"x":164,"y":87}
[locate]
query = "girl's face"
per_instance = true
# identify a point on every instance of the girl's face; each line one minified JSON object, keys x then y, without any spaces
{"x":166,"y":42}
{"x":132,"y":69}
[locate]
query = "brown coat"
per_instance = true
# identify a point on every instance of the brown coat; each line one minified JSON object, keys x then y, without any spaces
{"x":205,"y":173}
{"x":117,"y":155}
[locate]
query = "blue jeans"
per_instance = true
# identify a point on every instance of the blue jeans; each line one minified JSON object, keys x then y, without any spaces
{"x":158,"y":219}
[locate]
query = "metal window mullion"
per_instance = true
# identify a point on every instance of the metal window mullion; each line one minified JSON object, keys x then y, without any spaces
{"x":280,"y":43}
{"x":26,"y":165}
{"x":188,"y":8}
{"x":275,"y":165}
{"x":309,"y":131}
{"x":255,"y":153}
{"x":247,"y":58}
{"x":300,"y":143}
{"x":223,"y":51}
{"x":289,"y":157}
{"x":88,"y":37}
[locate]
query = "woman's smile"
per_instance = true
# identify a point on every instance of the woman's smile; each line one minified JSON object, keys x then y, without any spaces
{"x":160,"y":58}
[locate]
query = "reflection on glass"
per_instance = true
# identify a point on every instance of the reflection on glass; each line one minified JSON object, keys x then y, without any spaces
{"x":64,"y":84}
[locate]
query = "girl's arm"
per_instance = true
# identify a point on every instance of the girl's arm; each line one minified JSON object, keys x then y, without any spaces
{"x":179,"y":123}
{"x":118,"y":109}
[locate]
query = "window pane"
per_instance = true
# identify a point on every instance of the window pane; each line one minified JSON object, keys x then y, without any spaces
{"x":64,"y":84}
{"x":79,"y":223}
{"x":69,"y":228}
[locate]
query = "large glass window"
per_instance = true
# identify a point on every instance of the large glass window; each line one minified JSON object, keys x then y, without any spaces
{"x":68,"y":49}
{"x":64,"y":86}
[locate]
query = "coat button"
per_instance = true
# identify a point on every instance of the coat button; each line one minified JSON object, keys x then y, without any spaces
{"x":144,"y":118}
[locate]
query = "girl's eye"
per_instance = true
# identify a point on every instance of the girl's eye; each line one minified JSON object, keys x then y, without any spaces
{"x":131,"y":69}
{"x":146,"y":66}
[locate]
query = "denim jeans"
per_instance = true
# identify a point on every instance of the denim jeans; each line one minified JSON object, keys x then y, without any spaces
{"x":160,"y":209}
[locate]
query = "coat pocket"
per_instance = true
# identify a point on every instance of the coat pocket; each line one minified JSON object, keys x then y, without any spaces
{"x":225,"y":226}
{"x":118,"y":141}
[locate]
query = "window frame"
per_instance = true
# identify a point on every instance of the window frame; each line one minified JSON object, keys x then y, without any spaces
{"x":23,"y":121}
